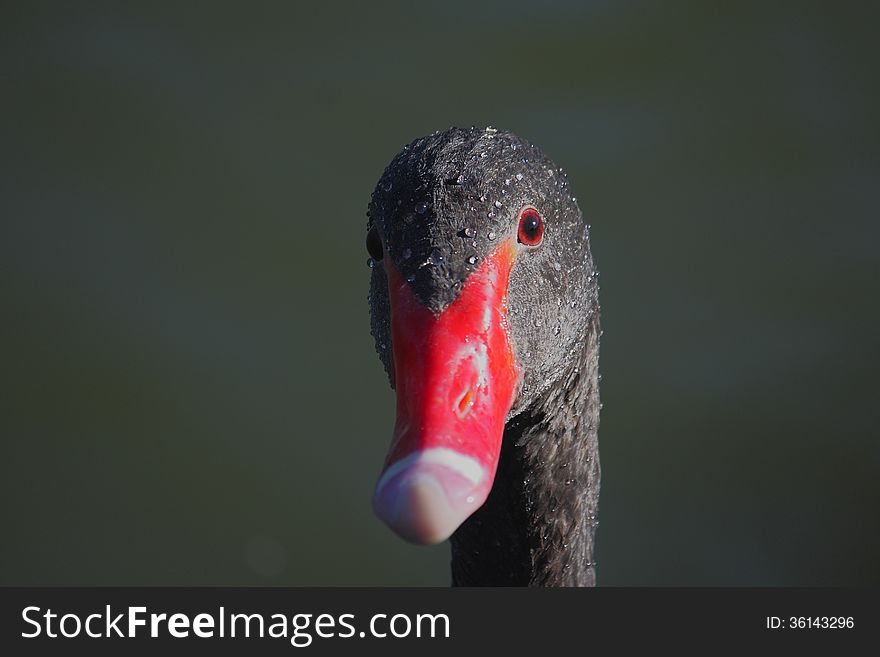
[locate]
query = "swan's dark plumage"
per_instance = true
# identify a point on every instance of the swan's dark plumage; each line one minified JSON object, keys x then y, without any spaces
{"x":442,"y":205}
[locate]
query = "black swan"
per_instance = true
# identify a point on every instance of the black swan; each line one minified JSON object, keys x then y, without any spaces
{"x":484,"y":309}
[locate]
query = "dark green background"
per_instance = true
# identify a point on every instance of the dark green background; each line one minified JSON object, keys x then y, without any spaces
{"x":189,"y":388}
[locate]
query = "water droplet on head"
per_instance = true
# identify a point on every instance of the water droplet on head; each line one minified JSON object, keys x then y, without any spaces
{"x":469,"y":232}
{"x":421,"y":208}
{"x":472,"y":260}
{"x":371,"y":263}
{"x":490,"y":214}
{"x":491,"y":234}
{"x":556,"y":330}
{"x":519,"y":176}
{"x":498,"y":204}
{"x":435,"y":258}
{"x":410,"y":278}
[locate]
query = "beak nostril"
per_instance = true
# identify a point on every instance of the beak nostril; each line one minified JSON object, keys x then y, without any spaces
{"x":465,"y":402}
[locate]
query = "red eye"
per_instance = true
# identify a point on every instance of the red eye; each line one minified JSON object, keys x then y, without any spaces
{"x":531,"y":226}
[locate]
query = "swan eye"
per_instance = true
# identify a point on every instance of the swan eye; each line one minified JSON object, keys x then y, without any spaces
{"x":374,"y":244}
{"x":531,"y":227}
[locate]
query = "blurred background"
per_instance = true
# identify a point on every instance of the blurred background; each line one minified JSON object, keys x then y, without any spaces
{"x":190,"y":393}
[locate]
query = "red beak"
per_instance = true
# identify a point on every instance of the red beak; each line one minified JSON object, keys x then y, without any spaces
{"x":456,"y":378}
